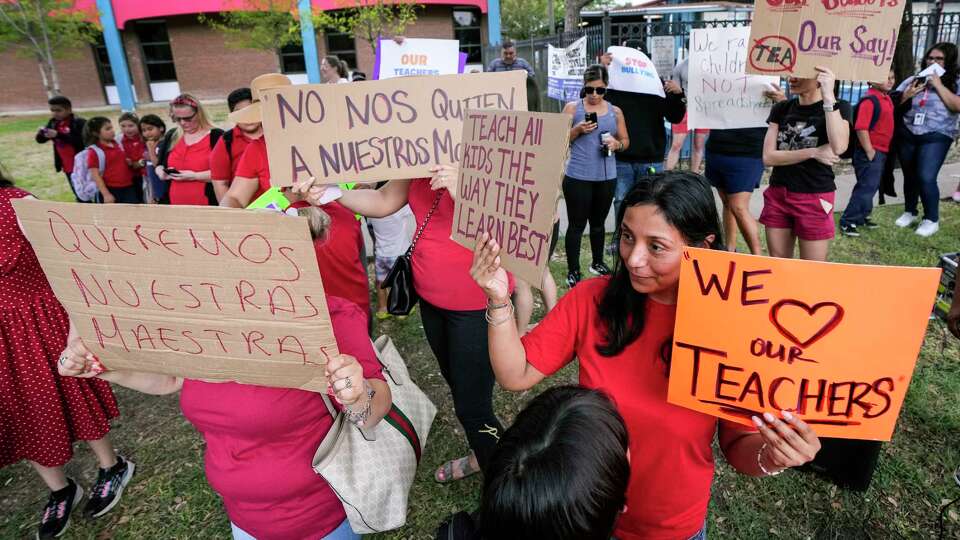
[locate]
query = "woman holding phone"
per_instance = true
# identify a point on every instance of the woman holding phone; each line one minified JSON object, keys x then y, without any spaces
{"x":598,"y":131}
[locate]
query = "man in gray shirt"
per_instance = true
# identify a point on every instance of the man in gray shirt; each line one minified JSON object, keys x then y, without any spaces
{"x":509,"y":61}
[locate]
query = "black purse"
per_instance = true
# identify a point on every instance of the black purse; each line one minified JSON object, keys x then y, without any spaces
{"x":403,"y":296}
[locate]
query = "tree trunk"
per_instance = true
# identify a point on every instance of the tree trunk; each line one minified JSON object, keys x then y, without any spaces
{"x":44,"y":78}
{"x":571,"y":14}
{"x":903,"y":63}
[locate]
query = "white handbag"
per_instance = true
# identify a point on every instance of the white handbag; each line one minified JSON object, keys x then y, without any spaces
{"x":372,"y":470}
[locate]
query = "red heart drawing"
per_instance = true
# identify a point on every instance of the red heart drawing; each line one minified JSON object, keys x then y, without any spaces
{"x":811,"y":310}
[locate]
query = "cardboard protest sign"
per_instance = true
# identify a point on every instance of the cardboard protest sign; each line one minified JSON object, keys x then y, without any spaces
{"x":377,"y":130}
{"x":205,"y":293}
{"x":566,"y":67}
{"x":632,"y":71}
{"x":417,"y":56}
{"x":720,"y":95}
{"x":854,"y":39}
{"x":834,"y":343}
{"x":509,"y":184}
{"x":663,"y":49}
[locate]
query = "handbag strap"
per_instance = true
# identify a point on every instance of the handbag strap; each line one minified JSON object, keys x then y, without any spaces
{"x":416,"y":237}
{"x":326,"y":401}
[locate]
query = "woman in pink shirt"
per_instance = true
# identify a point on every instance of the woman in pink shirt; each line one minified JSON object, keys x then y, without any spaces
{"x":260,"y":441}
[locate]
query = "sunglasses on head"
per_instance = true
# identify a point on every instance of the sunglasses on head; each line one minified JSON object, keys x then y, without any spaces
{"x":593,"y":89}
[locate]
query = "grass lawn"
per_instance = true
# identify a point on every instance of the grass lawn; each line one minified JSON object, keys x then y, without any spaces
{"x":169,"y":497}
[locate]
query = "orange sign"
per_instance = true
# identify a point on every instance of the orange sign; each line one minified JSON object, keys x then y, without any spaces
{"x":834,"y":343}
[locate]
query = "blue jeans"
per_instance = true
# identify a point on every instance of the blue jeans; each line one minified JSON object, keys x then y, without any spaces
{"x":921,"y":157}
{"x":628,"y":174}
{"x":343,"y":532}
{"x":868,"y":183}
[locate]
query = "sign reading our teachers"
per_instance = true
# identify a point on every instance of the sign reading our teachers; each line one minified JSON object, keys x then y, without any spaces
{"x":632,"y":71}
{"x":377,"y":130}
{"x":417,"y":56}
{"x":205,"y":293}
{"x":854,"y":39}
{"x":720,"y":94}
{"x":756,"y":334}
{"x":509,"y":185}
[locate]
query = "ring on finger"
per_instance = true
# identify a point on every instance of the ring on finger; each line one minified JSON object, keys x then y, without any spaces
{"x":349,"y":383}
{"x":63,"y":358}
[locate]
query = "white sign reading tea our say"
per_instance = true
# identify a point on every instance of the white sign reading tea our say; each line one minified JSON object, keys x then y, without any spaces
{"x":720,"y":95}
{"x":377,"y":130}
{"x":509,"y":184}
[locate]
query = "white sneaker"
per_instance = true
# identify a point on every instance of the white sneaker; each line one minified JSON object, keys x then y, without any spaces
{"x":905,"y":220}
{"x":928,"y":228}
{"x":956,"y":196}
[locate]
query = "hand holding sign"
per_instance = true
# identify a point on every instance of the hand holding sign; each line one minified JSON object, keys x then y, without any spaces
{"x":487,"y":272}
{"x":787,"y":443}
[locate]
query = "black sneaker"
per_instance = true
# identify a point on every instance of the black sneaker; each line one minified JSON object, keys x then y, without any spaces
{"x":56,"y":514}
{"x":868,"y":223}
{"x":109,"y":487}
{"x":573,"y":277}
{"x":849,"y":230}
{"x":599,"y":269}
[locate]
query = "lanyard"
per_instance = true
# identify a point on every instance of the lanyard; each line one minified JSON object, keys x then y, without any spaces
{"x":923,"y":100}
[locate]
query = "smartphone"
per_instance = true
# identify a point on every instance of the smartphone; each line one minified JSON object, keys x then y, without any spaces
{"x":920,"y":81}
{"x":171,"y":170}
{"x":590,"y":117}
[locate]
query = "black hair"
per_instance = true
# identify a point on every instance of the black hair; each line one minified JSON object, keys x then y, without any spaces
{"x":153,"y":120}
{"x":559,"y":472}
{"x":337,"y":64}
{"x":60,"y":101}
{"x":358,"y":76}
{"x":633,"y":43}
{"x":685,"y":201}
{"x":596,"y":72}
{"x":129,"y":116}
{"x":5,"y":181}
{"x":238,"y":95}
{"x":91,"y":130}
{"x":951,"y":63}
{"x":507,"y":44}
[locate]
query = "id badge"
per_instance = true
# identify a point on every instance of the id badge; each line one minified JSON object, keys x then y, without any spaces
{"x":919,"y":118}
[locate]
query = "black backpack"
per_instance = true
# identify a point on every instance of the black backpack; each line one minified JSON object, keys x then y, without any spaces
{"x":874,"y":118}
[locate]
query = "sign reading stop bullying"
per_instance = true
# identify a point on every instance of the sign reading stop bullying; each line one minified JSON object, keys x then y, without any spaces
{"x":856,"y":39}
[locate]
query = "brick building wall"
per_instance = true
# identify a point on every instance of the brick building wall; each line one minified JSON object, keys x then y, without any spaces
{"x":22,"y":88}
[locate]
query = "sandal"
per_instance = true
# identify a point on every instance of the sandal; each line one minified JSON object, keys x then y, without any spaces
{"x":455,"y":469}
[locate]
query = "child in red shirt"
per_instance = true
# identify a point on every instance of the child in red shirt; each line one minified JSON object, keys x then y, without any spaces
{"x":115,"y":182}
{"x":135,"y":148}
{"x":226,"y":155}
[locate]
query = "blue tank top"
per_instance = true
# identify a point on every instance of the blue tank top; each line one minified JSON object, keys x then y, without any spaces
{"x":586,"y":162}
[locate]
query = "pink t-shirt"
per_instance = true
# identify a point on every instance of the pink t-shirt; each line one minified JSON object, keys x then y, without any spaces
{"x":261,"y":442}
{"x":441,"y":267}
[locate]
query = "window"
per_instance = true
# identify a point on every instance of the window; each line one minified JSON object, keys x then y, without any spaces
{"x":103,"y":61}
{"x":343,"y":47}
{"x":466,"y":28}
{"x":291,"y":59}
{"x":157,"y":55}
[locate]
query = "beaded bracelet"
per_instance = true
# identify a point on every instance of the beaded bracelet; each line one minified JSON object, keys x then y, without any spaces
{"x":760,"y":463}
{"x":360,"y":418}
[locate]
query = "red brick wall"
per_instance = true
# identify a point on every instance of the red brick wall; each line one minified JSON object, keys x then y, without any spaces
{"x":22,"y":88}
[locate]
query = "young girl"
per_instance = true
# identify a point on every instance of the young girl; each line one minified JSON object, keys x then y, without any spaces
{"x":152,"y":130}
{"x":115,"y":184}
{"x":133,"y":147}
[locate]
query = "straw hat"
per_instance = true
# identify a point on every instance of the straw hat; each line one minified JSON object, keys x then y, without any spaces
{"x":253,"y":113}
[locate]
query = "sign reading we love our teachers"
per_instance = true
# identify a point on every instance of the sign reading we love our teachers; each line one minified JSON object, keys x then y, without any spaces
{"x":836,"y":344}
{"x":416,"y":56}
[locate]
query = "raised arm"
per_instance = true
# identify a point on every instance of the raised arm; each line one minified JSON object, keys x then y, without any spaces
{"x":838,"y":128}
{"x":366,"y":202}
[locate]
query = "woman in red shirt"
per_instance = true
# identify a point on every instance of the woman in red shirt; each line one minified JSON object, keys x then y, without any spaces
{"x":187,"y":163}
{"x":451,"y":304}
{"x":260,"y":441}
{"x":620,"y":328}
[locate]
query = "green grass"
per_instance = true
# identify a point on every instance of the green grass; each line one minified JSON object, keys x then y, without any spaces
{"x":169,"y":497}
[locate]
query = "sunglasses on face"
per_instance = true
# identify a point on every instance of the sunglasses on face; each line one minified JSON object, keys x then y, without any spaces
{"x":179,"y":119}
{"x":591,"y":89}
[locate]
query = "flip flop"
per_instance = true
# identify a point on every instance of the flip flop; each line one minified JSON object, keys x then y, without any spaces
{"x":445,"y":474}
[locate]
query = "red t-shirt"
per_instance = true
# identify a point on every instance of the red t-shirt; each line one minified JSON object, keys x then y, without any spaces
{"x":116,"y":173}
{"x":260,"y":443}
{"x":882,"y":131}
{"x":254,"y":164}
{"x":223,"y":166}
{"x":671,"y":461}
{"x":135,"y":149}
{"x":194,"y":157}
{"x":441,"y":267}
{"x":62,"y":145}
{"x":342,"y":271}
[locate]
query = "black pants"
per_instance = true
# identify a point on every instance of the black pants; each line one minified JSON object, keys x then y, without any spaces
{"x":459,"y":341}
{"x":124,"y":195}
{"x":586,"y":202}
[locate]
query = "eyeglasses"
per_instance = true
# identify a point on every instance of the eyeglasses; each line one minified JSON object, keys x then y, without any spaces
{"x":591,"y":89}
{"x":179,"y":119}
{"x":936,"y":58}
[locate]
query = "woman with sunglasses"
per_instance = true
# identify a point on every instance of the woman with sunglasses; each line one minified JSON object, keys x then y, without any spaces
{"x":931,"y":127}
{"x":185,"y":160}
{"x":598,"y":131}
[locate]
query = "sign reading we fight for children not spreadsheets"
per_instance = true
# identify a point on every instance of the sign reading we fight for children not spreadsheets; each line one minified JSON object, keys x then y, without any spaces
{"x":206,"y":293}
{"x":509,"y":184}
{"x":836,"y":344}
{"x":377,"y":130}
{"x":855,"y":39}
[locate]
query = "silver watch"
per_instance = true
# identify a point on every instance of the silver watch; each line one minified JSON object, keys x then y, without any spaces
{"x":829,"y":108}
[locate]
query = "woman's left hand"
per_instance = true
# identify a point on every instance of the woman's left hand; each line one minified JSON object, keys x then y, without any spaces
{"x":934,"y":81}
{"x":345,"y":379}
{"x":826,"y":79}
{"x":789,"y":442}
{"x":445,"y":177}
